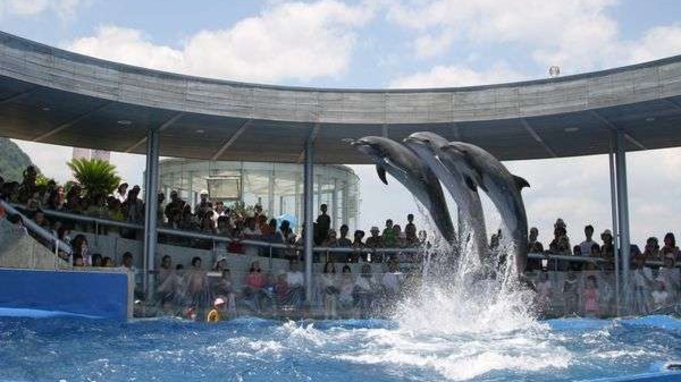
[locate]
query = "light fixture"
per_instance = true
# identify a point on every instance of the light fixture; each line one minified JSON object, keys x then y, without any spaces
{"x":124,"y":122}
{"x":571,"y":129}
{"x":200,"y":131}
{"x":650,"y":119}
{"x":45,"y":108}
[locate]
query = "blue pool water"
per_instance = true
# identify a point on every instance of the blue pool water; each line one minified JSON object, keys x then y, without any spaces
{"x":250,"y":349}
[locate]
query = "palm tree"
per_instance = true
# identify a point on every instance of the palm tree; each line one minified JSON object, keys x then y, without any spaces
{"x":97,"y":177}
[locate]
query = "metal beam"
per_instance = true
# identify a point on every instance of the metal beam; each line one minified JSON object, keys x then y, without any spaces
{"x":623,"y":207}
{"x":674,"y":104}
{"x":537,"y":138}
{"x":313,"y":137}
{"x":308,"y":198}
{"x":17,"y":96}
{"x":615,"y":225}
{"x":161,"y":128}
{"x":70,"y":123}
{"x":151,"y":212}
{"x":612,"y":127}
{"x":233,"y":138}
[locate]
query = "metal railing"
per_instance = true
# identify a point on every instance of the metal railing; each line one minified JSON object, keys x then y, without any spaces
{"x":49,"y":237}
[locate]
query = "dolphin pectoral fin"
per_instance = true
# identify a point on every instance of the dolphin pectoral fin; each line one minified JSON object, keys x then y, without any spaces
{"x":470,"y":183}
{"x":520,"y":182}
{"x":381,"y":174}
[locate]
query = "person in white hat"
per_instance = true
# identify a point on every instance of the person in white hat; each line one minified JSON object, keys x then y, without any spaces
{"x":215,"y":314}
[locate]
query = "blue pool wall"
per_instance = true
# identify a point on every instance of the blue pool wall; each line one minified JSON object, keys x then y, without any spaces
{"x":95,"y":294}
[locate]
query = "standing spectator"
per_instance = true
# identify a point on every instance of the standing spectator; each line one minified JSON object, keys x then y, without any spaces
{"x":660,"y":295}
{"x":652,"y":250}
{"x":343,"y":241}
{"x":586,"y":245}
{"x":570,"y":292}
{"x":642,"y":282}
{"x":374,"y":242}
{"x":591,"y":296}
{"x":204,"y":204}
{"x":389,"y":238}
{"x":671,"y":277}
{"x":329,"y":290}
{"x":534,"y":246}
{"x":357,"y":245}
{"x":323,"y":225}
{"x":670,"y":247}
{"x":410,"y":230}
{"x":176,"y":205}
{"x":544,"y":293}
{"x":133,"y":211}
{"x":296,"y":283}
{"x":608,"y":248}
{"x":561,"y":242}
{"x":121,"y":193}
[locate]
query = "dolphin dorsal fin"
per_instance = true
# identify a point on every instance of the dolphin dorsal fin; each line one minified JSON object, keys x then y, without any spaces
{"x":520,"y":182}
{"x":381,"y":174}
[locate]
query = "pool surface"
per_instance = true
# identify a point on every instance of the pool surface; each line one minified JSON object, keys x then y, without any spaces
{"x":250,"y":349}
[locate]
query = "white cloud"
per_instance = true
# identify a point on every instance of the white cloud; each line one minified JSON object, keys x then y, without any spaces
{"x":658,"y":42}
{"x":300,"y":41}
{"x":63,"y":8}
{"x":451,"y":76}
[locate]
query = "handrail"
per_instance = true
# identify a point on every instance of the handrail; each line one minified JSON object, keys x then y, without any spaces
{"x":269,"y":245}
{"x":38,"y":230}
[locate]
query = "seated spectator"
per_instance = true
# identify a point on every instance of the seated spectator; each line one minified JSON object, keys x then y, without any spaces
{"x":660,"y":295}
{"x":220,"y":264}
{"x":364,"y":292}
{"x":392,"y":279}
{"x":78,"y":260}
{"x":346,"y":287}
{"x":97,"y":260}
{"x":79,"y":245}
{"x":108,"y":262}
{"x":296,"y":283}
{"x":591,"y":298}
{"x":670,"y":247}
{"x":570,"y":293}
{"x":329,"y":289}
{"x":588,"y":243}
{"x":400,"y":237}
{"x":254,"y":287}
{"x":224,"y":288}
{"x":197,"y":284}
{"x":332,"y":242}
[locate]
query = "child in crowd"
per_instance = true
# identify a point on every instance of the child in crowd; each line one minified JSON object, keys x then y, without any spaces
{"x":591,"y":308}
{"x":215,"y":314}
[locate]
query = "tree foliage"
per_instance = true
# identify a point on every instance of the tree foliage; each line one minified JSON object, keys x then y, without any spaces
{"x":13,"y":161}
{"x":97,"y":177}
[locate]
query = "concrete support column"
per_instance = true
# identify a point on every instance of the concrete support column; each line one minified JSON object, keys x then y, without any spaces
{"x":150,"y":212}
{"x":615,"y":225}
{"x":623,"y":208}
{"x":308,"y":204}
{"x":270,"y":193}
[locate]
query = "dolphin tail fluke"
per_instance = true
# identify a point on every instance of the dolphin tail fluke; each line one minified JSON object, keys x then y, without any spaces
{"x":520,"y":182}
{"x":381,"y":174}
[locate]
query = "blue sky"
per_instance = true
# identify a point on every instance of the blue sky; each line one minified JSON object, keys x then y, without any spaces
{"x":382,"y":43}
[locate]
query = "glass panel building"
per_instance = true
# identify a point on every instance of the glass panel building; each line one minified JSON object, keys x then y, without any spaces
{"x":278,"y":187}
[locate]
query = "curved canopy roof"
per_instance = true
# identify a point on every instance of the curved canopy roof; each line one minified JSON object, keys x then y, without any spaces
{"x":53,"y":96}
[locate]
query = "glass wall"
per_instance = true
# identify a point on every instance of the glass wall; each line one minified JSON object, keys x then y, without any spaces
{"x":278,"y":187}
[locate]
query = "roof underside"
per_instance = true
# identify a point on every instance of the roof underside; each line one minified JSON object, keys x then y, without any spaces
{"x":51,"y":96}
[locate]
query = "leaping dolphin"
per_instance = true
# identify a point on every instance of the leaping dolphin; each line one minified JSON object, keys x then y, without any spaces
{"x":427,"y":146}
{"x":405,"y":166}
{"x":501,"y":186}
